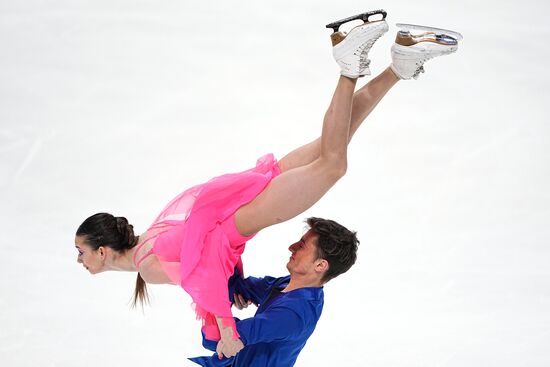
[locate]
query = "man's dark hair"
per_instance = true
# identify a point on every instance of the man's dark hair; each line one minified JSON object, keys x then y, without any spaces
{"x":336,"y":244}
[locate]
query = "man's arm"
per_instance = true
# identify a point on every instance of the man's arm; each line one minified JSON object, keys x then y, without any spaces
{"x":274,"y":324}
{"x":251,"y":289}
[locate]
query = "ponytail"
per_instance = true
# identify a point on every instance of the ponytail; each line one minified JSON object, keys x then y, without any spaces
{"x":141,"y":295}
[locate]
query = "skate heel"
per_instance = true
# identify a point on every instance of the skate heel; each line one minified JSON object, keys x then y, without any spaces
{"x":337,"y":37}
{"x":363,"y":16}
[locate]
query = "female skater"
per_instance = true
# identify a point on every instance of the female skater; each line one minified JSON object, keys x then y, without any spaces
{"x":198,"y":239}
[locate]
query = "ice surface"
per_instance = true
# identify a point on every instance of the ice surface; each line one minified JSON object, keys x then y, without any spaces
{"x":117,"y":106}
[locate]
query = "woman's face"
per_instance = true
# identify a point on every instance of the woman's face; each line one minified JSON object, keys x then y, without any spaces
{"x":92,"y":260}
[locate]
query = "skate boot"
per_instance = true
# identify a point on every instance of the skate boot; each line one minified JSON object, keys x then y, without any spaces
{"x":410,"y":52}
{"x":351,"y":50}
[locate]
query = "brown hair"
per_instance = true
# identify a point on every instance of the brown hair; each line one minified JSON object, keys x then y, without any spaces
{"x":104,"y":229}
{"x":141,"y":294}
{"x":336,"y":244}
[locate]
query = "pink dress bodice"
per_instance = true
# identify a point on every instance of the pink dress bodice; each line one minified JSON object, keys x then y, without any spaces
{"x":197,"y":243}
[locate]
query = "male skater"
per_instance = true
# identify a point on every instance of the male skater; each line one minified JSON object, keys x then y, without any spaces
{"x":290,"y":306}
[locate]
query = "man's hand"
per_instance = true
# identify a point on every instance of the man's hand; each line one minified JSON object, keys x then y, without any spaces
{"x":229,"y":347}
{"x":240,"y":303}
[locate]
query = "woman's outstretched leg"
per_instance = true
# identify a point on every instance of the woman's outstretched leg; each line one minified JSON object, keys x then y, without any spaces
{"x":297,"y":189}
{"x":364,"y":101}
{"x":307,"y":175}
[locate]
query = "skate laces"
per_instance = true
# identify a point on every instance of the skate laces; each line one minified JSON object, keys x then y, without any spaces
{"x":420,"y":63}
{"x":364,"y":49}
{"x":419,"y":70}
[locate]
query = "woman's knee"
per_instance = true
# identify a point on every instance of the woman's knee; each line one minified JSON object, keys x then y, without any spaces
{"x":341,"y":169}
{"x":335,"y":166}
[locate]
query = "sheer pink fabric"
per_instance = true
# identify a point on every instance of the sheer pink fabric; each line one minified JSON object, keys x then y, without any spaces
{"x":197,"y":242}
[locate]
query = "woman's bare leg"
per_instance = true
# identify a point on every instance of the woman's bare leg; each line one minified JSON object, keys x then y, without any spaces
{"x":364,"y":101}
{"x":297,"y":189}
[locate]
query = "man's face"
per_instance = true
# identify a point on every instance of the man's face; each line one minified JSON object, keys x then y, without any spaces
{"x":304,"y":258}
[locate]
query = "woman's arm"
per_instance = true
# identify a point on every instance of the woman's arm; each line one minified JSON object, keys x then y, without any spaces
{"x":227,"y":346}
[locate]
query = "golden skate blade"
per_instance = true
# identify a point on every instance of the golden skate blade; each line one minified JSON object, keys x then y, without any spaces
{"x":406,"y":39}
{"x":440,"y":32}
{"x":435,"y":38}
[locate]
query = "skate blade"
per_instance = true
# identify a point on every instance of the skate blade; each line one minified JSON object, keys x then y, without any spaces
{"x":444,"y":35}
{"x":363,"y":16}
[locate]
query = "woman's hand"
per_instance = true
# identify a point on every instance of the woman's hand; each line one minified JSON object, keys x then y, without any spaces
{"x":229,"y":347}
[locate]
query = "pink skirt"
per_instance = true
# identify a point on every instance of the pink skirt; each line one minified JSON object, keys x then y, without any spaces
{"x":201,"y":245}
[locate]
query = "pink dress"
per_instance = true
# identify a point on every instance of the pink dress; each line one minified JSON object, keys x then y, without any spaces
{"x":198,"y":244}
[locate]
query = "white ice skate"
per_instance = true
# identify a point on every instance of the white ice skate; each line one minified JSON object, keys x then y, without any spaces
{"x":410,"y":52}
{"x":351,"y":50}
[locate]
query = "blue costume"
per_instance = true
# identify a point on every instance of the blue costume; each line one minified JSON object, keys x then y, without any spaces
{"x":280,"y":328}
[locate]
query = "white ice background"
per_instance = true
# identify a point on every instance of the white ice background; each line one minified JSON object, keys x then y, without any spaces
{"x":119,"y":105}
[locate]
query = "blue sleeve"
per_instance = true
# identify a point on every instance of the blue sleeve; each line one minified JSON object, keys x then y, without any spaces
{"x":251,"y":288}
{"x":256,"y":289}
{"x":279,"y":323}
{"x":213,"y":360}
{"x":275,"y":324}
